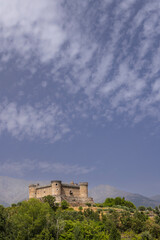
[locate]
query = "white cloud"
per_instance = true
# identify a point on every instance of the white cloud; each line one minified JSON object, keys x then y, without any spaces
{"x":33,"y":122}
{"x":63,"y":168}
{"x":20,"y":168}
{"x":44,"y":84}
{"x":31,"y":28}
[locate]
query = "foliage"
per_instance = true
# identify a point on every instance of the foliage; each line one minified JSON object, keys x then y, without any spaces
{"x":88,"y":204}
{"x":114,"y":235}
{"x":80,"y":208}
{"x":110,"y":202}
{"x":146,"y":236}
{"x":13,"y":205}
{"x":38,"y":220}
{"x":2,"y":222}
{"x":64,"y":204}
{"x":141,"y":208}
{"x":51,"y":201}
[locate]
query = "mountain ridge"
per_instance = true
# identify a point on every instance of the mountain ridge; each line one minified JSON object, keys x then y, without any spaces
{"x":101,"y":192}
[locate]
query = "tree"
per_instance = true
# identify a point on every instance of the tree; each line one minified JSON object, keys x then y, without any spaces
{"x":2,"y":222}
{"x":110,"y":202}
{"x":114,"y":235}
{"x":80,"y":208}
{"x":126,"y":221}
{"x":141,"y":208}
{"x":51,"y":201}
{"x":146,"y":236}
{"x":30,"y":219}
{"x":88,"y":204}
{"x":64,"y":204}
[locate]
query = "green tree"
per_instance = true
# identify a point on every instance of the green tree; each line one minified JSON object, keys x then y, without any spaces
{"x":141,"y":208}
{"x":114,"y":235}
{"x":2,"y":222}
{"x":51,"y":201}
{"x":64,"y":204}
{"x":126,"y":221}
{"x":118,"y":201}
{"x":88,"y":204}
{"x":146,"y":236}
{"x":80,"y":208}
{"x":30,"y":219}
{"x":91,"y":215}
{"x":138,"y":222}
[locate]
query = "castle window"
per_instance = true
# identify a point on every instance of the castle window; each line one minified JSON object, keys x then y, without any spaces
{"x":57,"y":189}
{"x":56,"y":184}
{"x":70,"y":192}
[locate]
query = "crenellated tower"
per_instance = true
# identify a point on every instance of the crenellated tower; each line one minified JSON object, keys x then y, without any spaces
{"x":83,"y":189}
{"x":32,"y":190}
{"x":56,"y":186}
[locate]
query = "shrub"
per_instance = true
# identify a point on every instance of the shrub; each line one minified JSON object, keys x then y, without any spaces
{"x":146,"y":236}
{"x":80,"y":208}
{"x":110,"y":210}
{"x":110,"y":202}
{"x":149,"y":208}
{"x":64,"y":204}
{"x":141,"y":208}
{"x":88,"y":204}
{"x":51,"y":201}
{"x":114,"y":235}
{"x":13,"y":205}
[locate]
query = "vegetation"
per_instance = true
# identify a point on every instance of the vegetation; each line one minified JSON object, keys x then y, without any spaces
{"x":110,"y":202}
{"x":44,"y":220}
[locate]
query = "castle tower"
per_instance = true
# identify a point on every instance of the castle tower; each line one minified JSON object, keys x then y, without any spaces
{"x":32,"y":191}
{"x":56,"y":187}
{"x":83,"y":189}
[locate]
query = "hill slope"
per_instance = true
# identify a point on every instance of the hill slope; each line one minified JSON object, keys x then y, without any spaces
{"x":101,"y":192}
{"x":156,"y":198}
{"x":13,"y":190}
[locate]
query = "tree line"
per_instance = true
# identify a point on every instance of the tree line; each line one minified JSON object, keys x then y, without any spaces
{"x":45,"y":220}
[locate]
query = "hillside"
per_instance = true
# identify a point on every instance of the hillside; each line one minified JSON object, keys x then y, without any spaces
{"x":13,"y":190}
{"x":101,"y":192}
{"x":156,"y":198}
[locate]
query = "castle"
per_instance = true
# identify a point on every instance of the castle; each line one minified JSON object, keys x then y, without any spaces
{"x":75,"y":194}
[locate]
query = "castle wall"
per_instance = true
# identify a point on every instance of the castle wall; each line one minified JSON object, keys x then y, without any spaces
{"x":71,"y":191}
{"x":43,"y":191}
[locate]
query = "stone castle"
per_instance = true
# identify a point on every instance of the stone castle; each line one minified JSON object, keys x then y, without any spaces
{"x":75,"y":194}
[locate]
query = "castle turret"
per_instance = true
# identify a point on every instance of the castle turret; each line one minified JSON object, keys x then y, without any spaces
{"x":32,"y":191}
{"x":84,"y":189}
{"x":56,"y":187}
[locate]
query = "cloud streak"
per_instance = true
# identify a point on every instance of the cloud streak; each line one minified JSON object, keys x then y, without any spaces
{"x":20,"y":168}
{"x":33,"y":122}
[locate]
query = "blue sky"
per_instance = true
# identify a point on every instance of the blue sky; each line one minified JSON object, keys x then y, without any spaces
{"x":80,"y":92}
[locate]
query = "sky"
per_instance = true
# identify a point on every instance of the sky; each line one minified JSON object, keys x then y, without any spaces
{"x":80,"y":92}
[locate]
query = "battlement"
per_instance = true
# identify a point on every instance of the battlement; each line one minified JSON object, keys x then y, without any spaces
{"x":75,"y":194}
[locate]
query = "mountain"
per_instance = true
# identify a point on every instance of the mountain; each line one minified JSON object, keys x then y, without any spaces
{"x":156,"y":198}
{"x":101,"y":192}
{"x":14,"y":190}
